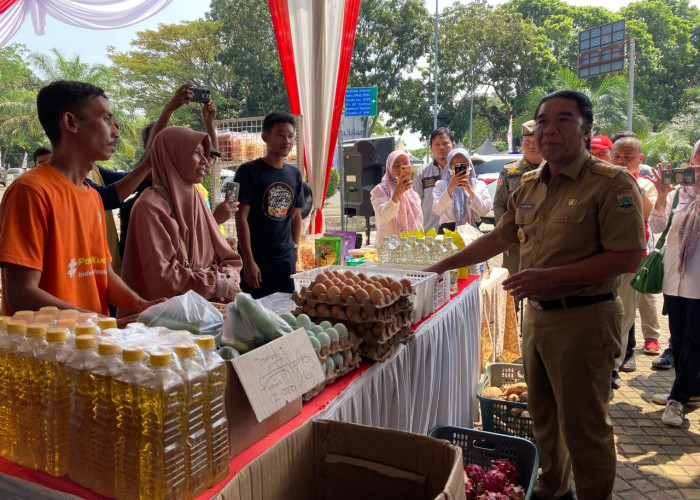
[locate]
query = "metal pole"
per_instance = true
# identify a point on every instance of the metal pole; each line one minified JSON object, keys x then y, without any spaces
{"x":435,"y":103}
{"x":630,"y":86}
{"x":471,"y":112}
{"x":341,"y":175}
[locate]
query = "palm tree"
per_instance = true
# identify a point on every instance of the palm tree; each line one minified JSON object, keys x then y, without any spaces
{"x":609,"y":100}
{"x":19,"y":123}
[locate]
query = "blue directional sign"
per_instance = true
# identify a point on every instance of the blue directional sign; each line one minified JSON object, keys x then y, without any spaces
{"x":361,"y":101}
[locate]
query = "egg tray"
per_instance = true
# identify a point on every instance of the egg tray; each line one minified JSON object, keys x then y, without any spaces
{"x":345,"y":344}
{"x":379,"y":331}
{"x":306,"y":297}
{"x":378,"y":353}
{"x":353,"y":364}
{"x":359,"y":315}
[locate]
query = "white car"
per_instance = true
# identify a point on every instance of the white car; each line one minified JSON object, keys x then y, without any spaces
{"x":488,"y":168}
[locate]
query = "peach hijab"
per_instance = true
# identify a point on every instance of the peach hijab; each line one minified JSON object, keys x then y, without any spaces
{"x":169,"y":216}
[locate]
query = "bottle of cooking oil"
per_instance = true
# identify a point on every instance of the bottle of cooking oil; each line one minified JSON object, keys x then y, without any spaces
{"x":128,"y":424}
{"x":105,"y":323}
{"x":195,"y":378}
{"x":26,"y":316}
{"x":28,"y":405}
{"x":8,"y":386}
{"x":161,"y":396}
{"x":55,"y":402}
{"x":85,"y":329}
{"x":104,"y":431}
{"x":79,"y":368}
{"x":69,"y":325}
{"x":214,"y":411}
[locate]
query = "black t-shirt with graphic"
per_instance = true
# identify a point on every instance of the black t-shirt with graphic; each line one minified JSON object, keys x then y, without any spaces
{"x":272,"y":194}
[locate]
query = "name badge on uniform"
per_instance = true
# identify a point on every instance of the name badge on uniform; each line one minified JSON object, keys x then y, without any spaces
{"x":526,"y":206}
{"x":429,"y":182}
{"x":521,"y":235}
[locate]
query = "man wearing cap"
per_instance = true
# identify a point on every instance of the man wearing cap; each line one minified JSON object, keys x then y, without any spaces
{"x":441,"y":143}
{"x":509,"y":181}
{"x":601,"y":147}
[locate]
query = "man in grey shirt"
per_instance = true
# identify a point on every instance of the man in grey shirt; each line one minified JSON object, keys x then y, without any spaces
{"x":441,"y":143}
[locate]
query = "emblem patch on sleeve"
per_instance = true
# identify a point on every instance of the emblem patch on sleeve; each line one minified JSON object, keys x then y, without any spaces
{"x":625,"y":203}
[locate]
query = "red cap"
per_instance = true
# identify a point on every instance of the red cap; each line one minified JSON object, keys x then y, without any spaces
{"x":601,"y":142}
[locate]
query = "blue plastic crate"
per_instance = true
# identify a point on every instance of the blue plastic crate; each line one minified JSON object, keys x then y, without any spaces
{"x":481,"y":447}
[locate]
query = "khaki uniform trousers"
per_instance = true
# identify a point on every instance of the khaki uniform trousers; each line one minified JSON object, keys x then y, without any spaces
{"x":648,"y":316}
{"x":630,"y":299}
{"x":568,"y":356}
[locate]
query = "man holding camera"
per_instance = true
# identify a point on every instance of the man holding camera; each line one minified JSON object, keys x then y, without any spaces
{"x":579,"y":224}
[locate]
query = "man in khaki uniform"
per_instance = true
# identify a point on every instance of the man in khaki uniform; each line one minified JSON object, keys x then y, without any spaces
{"x":579,"y":224}
{"x":509,"y":181}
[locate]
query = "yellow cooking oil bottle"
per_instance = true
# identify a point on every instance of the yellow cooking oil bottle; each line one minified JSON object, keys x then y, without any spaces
{"x":28,"y":406}
{"x":104,"y":430}
{"x":106,"y":323}
{"x":214,"y":411}
{"x":161,"y":396}
{"x":128,"y":424}
{"x":55,"y":402}
{"x":85,"y":329}
{"x":15,"y":331}
{"x":79,"y":368}
{"x":195,"y":378}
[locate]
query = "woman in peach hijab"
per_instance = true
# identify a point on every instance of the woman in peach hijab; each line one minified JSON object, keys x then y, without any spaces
{"x":174,"y":244}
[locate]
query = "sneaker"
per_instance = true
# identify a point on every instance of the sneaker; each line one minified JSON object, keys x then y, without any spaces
{"x":664,"y":361}
{"x":629,"y":365}
{"x":662,"y":399}
{"x":616,"y":380}
{"x":673,"y":414}
{"x":651,"y":346}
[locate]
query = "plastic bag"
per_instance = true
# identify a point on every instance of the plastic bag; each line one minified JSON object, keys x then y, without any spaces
{"x":190,"y":312}
{"x":249,"y":325}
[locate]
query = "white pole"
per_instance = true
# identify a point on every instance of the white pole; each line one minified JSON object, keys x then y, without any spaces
{"x":630,"y":85}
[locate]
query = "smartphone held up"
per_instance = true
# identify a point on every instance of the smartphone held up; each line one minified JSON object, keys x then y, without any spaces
{"x":200,"y":95}
{"x":677,"y":175}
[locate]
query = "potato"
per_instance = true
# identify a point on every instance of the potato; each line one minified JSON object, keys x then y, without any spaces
{"x":492,"y":392}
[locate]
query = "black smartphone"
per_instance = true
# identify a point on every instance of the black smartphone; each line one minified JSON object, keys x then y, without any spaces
{"x":233,"y":188}
{"x":200,"y":95}
{"x":460,"y":168}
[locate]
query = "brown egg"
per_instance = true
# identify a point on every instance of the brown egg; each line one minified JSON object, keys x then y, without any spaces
{"x":386,"y":292}
{"x":349,"y":313}
{"x":395,"y":286}
{"x":349,"y":274}
{"x":318,"y":289}
{"x":336,"y":311}
{"x":406,"y":284}
{"x":362,"y":276}
{"x":345,"y":293}
{"x":323,"y":309}
{"x":320,"y":278}
{"x":333,"y":293}
{"x":377,"y":297}
{"x":364,"y":314}
{"x":361,"y":295}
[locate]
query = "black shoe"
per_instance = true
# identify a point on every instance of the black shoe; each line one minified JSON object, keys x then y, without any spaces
{"x":569,"y":495}
{"x":664,"y":361}
{"x":616,"y":380}
{"x":629,"y":365}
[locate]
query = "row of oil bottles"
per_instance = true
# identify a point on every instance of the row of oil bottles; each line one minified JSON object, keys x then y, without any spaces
{"x":136,"y":413}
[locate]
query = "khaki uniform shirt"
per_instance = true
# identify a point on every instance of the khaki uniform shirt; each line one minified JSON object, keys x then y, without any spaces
{"x":509,"y":181}
{"x":589,"y":208}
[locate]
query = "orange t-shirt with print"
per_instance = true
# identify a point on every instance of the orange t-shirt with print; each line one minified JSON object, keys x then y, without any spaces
{"x":49,"y":224}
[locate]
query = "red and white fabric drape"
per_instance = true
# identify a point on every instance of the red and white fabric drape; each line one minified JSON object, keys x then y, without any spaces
{"x":315,"y":41}
{"x":92,"y":14}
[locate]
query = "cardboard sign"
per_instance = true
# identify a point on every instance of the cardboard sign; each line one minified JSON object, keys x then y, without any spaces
{"x":279,"y":372}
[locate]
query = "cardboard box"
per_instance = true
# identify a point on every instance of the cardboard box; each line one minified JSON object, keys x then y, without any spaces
{"x":327,"y":460}
{"x":264,"y":388}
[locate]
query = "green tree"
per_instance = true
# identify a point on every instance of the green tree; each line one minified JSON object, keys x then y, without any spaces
{"x":392,"y":36}
{"x":250,"y":56}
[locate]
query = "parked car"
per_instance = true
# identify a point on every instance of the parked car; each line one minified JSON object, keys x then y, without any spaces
{"x":488,"y":168}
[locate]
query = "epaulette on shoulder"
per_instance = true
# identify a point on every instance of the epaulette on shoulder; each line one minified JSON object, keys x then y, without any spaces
{"x":532,"y":174}
{"x":606,"y":169}
{"x":510,"y":163}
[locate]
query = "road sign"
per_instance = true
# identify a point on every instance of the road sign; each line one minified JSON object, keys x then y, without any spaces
{"x":361,"y":101}
{"x":601,"y":50}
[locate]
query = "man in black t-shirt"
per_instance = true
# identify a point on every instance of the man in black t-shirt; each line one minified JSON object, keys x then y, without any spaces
{"x":268,"y":221}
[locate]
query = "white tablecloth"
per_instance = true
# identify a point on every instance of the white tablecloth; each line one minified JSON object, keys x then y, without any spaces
{"x":430,"y":381}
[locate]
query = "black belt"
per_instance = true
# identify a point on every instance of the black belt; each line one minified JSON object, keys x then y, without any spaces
{"x":569,"y":302}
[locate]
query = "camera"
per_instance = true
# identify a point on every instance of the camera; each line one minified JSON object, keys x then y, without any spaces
{"x":461,"y":168}
{"x":678,"y":176}
{"x":200,"y":95}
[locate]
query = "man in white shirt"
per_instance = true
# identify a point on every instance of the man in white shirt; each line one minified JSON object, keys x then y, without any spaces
{"x":627,"y":152}
{"x":441,"y":143}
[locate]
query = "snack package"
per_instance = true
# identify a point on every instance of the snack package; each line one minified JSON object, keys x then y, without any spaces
{"x":328,"y":251}
{"x":306,"y":254}
{"x":349,"y":238}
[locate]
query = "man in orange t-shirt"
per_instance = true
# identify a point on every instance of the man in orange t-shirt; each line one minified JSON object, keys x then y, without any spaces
{"x":53,"y":246}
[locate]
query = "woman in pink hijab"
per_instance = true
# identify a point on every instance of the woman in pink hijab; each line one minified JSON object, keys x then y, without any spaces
{"x":397,"y":207}
{"x":174,"y":244}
